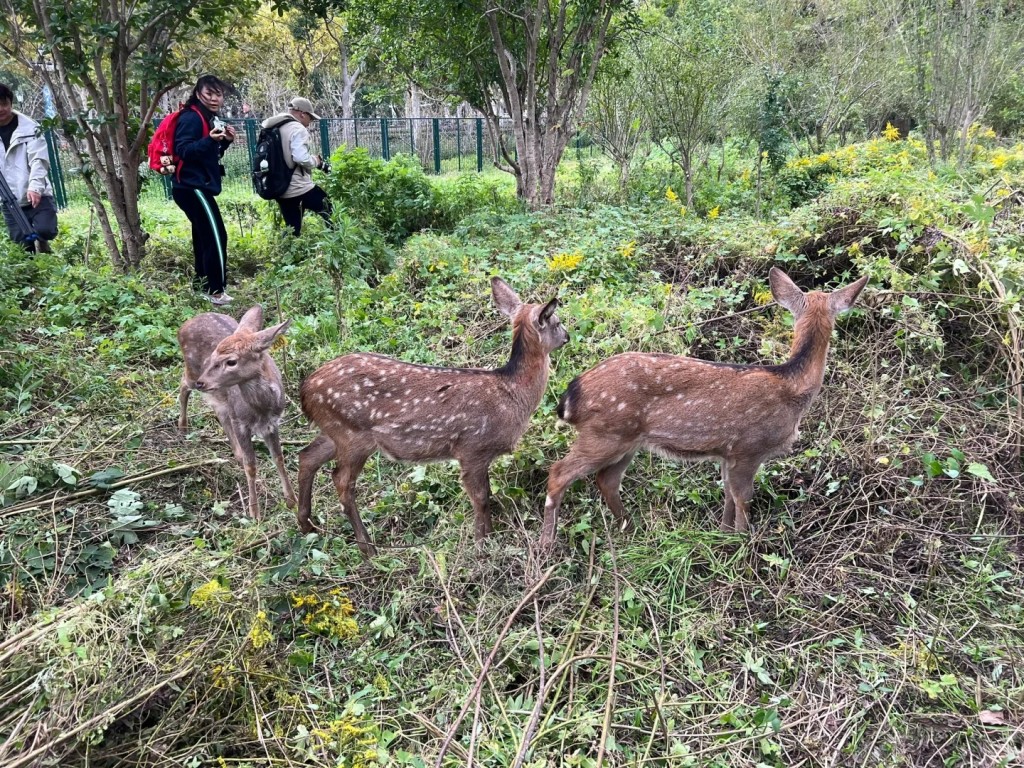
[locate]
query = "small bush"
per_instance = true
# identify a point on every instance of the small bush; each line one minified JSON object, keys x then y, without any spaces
{"x":395,"y":195}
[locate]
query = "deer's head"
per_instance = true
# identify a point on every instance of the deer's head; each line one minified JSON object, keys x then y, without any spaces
{"x":239,"y":357}
{"x":536,"y":324}
{"x":789,"y":295}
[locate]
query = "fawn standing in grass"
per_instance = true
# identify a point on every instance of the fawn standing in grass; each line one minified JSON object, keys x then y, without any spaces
{"x":365,"y":403}
{"x":228,"y":362}
{"x":687,"y":409}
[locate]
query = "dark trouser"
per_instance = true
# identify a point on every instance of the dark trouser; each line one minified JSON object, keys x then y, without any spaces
{"x":43,"y":219}
{"x":315,"y":200}
{"x":209,"y":238}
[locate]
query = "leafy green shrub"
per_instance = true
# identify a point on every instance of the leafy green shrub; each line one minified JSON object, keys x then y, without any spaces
{"x":354,"y":248}
{"x":395,"y":195}
{"x":804,"y":179}
{"x":470,"y":193}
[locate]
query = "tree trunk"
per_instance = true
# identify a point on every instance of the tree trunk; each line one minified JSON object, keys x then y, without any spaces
{"x":543,"y":119}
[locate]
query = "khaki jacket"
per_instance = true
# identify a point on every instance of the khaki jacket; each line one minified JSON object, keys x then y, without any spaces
{"x":26,"y":163}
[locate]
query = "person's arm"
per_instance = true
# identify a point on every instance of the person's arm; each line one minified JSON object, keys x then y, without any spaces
{"x":38,"y":168}
{"x":299,"y":145}
{"x":189,"y":142}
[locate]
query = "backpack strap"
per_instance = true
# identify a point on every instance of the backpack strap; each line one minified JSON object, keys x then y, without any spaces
{"x":206,"y":132}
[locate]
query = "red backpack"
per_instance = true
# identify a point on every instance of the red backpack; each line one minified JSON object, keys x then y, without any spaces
{"x":161,"y":147}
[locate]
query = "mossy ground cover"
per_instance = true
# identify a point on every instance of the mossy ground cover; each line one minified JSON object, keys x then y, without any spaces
{"x":873,"y":617}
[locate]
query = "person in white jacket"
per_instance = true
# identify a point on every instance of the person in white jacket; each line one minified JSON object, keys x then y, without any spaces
{"x":25,"y":165}
{"x":302,"y":194}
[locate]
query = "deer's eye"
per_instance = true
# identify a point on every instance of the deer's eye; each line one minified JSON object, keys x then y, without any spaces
{"x":231,"y":363}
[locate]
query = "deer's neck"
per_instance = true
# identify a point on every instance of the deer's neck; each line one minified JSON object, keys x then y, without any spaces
{"x":526,"y":371}
{"x":264,"y":393}
{"x":805,"y":368}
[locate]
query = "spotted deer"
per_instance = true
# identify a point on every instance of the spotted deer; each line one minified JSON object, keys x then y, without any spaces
{"x":687,"y":409}
{"x":229,"y":364}
{"x":364,"y":403}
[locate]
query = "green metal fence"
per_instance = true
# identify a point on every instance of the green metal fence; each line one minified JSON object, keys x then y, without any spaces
{"x":442,"y":145}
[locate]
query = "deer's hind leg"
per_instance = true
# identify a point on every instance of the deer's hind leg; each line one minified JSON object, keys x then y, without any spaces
{"x":345,"y":473}
{"x":609,"y":480}
{"x":587,"y":455}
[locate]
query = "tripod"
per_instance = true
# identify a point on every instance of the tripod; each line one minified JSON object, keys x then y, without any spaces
{"x":26,"y":232}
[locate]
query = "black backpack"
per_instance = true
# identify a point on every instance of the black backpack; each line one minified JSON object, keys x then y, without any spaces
{"x":270,"y":173}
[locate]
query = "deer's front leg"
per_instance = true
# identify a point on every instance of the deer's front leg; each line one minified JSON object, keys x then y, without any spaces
{"x":478,"y":487}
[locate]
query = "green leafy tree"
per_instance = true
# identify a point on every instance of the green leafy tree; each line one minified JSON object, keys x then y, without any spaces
{"x":687,"y":71}
{"x":108,"y":64}
{"x":829,"y":57}
{"x":616,"y":118}
{"x":531,"y":60}
{"x":956,"y":56}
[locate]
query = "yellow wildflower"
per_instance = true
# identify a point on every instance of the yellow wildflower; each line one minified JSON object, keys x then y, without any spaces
{"x":210,"y":592}
{"x":331,"y":617}
{"x":713,"y":213}
{"x":671,"y":196}
{"x":260,"y":634}
{"x":564,"y":262}
{"x":628,"y":249}
{"x":891,"y":132}
{"x":223,"y":677}
{"x":763,"y":297}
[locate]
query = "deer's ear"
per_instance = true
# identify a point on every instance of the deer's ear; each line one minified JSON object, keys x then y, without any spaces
{"x":844,"y":298}
{"x":263,"y":339}
{"x":786,"y":292}
{"x":505,"y":298}
{"x":252,"y":320}
{"x":547,"y":312}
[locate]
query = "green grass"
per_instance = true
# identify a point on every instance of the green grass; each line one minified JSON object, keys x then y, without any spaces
{"x":873,"y":618}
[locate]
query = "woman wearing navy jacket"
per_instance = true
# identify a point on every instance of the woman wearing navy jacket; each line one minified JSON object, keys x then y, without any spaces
{"x":200,"y":140}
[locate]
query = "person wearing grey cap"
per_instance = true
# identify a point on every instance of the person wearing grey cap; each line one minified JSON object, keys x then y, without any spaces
{"x":302,"y":194}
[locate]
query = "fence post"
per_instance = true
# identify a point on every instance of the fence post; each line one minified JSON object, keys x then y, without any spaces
{"x":325,"y":141}
{"x":479,"y":145}
{"x":436,"y":126}
{"x":385,"y":148}
{"x":458,"y":143}
{"x":412,"y":139}
{"x":56,"y":171}
{"x":355,"y":130}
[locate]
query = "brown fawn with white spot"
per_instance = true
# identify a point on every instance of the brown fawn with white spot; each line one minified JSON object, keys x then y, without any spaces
{"x":364,"y":403}
{"x":687,"y":409}
{"x":229,"y":364}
